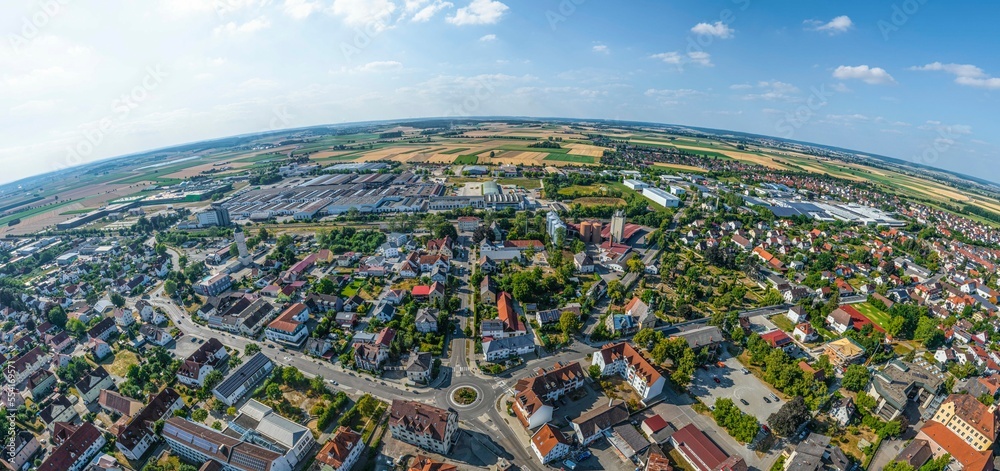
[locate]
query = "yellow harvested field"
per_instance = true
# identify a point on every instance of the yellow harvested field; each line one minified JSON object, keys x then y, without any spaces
{"x":744,"y":156}
{"x":515,"y":157}
{"x":585,"y":149}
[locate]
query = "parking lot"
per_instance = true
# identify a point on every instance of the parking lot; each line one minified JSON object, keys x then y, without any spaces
{"x":736,"y":385}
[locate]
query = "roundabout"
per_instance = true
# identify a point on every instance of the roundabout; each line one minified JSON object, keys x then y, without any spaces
{"x":465,"y":396}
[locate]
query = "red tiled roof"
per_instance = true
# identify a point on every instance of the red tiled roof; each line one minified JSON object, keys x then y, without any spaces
{"x":546,"y":438}
{"x":698,"y":447}
{"x":776,"y":338}
{"x":655,"y":423}
{"x":506,"y":313}
{"x":971,"y":459}
{"x":339,"y":447}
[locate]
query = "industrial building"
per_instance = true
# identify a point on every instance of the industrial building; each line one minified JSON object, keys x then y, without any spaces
{"x":661,"y":197}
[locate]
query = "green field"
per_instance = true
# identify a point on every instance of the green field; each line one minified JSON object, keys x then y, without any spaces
{"x":260,"y":158}
{"x":580,"y":159}
{"x":878,"y":317}
{"x":526,"y":183}
{"x":466,"y":160}
{"x":455,"y":151}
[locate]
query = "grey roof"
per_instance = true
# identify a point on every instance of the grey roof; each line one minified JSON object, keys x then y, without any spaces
{"x":895,"y":382}
{"x":240,"y":376}
{"x":702,"y":336}
{"x":513,"y":343}
{"x":273,"y":426}
{"x":601,"y":418}
{"x":628,"y":440}
{"x":420,"y":362}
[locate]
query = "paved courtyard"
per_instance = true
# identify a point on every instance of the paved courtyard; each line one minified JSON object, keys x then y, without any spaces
{"x":735,"y":385}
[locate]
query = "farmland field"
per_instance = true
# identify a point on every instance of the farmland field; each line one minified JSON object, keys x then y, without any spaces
{"x":455,"y":151}
{"x":466,"y":160}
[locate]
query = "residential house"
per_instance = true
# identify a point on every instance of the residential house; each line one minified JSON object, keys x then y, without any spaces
{"x":549,"y":444}
{"x":211,"y":355}
{"x":535,"y":397}
{"x":624,"y":360}
{"x":139,"y":436}
{"x":426,"y":320}
{"x":418,"y":367}
{"x":75,"y":452}
{"x":90,"y":385}
{"x":423,"y":426}
{"x":597,"y":422}
{"x":196,"y":443}
{"x":341,"y":451}
{"x":804,"y":332}
{"x":506,"y":347}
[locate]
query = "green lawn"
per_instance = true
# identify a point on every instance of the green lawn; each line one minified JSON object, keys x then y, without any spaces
{"x":466,"y":160}
{"x":455,"y":151}
{"x":783,"y":322}
{"x":582,"y":159}
{"x":526,"y":183}
{"x":351,"y":289}
{"x":878,"y":317}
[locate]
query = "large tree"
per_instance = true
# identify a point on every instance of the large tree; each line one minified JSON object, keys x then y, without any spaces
{"x":789,"y":417}
{"x":855,"y":378}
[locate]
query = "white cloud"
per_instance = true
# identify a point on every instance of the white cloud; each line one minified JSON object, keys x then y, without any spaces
{"x":946,"y":129}
{"x":33,"y":106}
{"x":252,"y":26}
{"x":840,"y":24}
{"x":601,"y":48}
{"x":479,"y":12}
{"x":428,"y":12}
{"x":488,"y":38}
{"x":675,"y":58}
{"x":672,"y":96}
{"x":301,"y":9}
{"x":372,"y":13}
{"x":740,"y":86}
{"x":717,"y":29}
{"x":965,"y":74}
{"x":379,"y":66}
{"x":773,"y":90}
{"x":869,"y":75}
{"x":840,"y":88}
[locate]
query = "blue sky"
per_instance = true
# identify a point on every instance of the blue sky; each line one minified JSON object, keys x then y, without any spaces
{"x":914,"y":79}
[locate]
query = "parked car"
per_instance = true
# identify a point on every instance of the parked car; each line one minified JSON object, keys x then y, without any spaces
{"x":767,"y":400}
{"x":745,"y":371}
{"x":744,"y":401}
